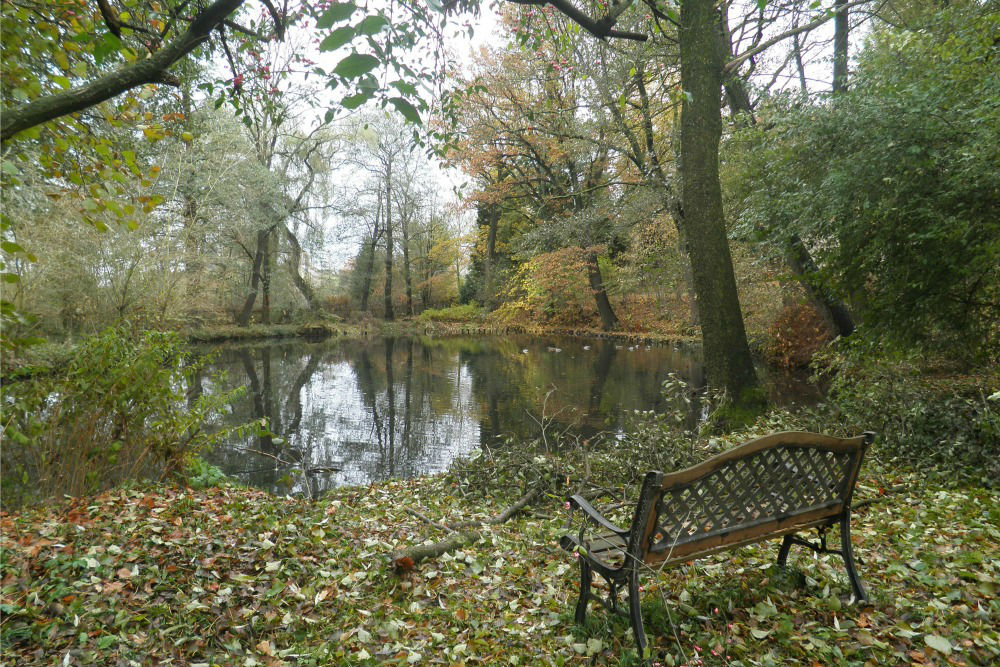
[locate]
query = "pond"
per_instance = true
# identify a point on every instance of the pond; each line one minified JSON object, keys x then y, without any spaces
{"x":354,"y":411}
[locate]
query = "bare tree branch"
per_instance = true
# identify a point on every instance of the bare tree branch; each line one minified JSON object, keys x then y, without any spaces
{"x":763,"y":46}
{"x":602,"y":28}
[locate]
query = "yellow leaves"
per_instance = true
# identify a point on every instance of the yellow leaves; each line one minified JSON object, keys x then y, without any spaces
{"x":153,"y":133}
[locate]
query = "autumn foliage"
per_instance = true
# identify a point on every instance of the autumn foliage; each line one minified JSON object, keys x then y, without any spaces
{"x":796,"y":335}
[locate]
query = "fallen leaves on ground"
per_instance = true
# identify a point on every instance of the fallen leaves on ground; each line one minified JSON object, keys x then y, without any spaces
{"x":233,"y":576}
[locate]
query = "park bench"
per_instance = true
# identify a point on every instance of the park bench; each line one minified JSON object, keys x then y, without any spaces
{"x":776,"y":486}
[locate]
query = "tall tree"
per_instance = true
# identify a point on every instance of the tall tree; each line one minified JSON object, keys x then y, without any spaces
{"x":527,"y":120}
{"x":727,"y":353}
{"x":704,"y":70}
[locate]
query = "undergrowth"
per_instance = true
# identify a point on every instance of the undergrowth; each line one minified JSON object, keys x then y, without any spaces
{"x":462,"y":313}
{"x":117,"y":410}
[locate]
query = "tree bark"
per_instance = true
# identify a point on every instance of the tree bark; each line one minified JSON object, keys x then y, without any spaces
{"x":797,"y":255}
{"x":608,"y":318}
{"x":388,"y":242}
{"x":405,"y":228}
{"x":492,"y":215}
{"x":265,"y":279}
{"x":146,"y":70}
{"x":189,"y":213}
{"x":366,"y":284}
{"x":840,"y":30}
{"x":727,"y":353}
{"x":243,"y":319}
{"x":294,"y":261}
{"x":829,"y":306}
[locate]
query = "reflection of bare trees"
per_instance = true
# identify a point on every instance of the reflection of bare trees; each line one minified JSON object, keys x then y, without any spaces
{"x":394,"y":449}
{"x":282,"y":456}
{"x":375,"y":409}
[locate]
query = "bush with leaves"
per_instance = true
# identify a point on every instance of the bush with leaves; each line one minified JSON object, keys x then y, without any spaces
{"x":893,"y":185}
{"x":118,"y":411}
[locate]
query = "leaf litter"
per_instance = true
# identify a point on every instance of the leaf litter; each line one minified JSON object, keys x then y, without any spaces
{"x":234,"y":576}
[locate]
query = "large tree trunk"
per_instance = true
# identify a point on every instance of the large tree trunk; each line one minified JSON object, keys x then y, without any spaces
{"x":388,"y":243}
{"x":829,"y":306}
{"x":265,"y":279}
{"x":608,"y":318}
{"x":799,"y":260}
{"x":492,"y":215}
{"x":294,"y":261}
{"x":727,"y":353}
{"x":366,"y":283}
{"x":840,"y":29}
{"x":189,"y":212}
{"x":243,"y":319}
{"x":406,"y":263}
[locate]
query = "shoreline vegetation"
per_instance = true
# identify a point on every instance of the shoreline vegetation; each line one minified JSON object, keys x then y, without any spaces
{"x":51,"y":355}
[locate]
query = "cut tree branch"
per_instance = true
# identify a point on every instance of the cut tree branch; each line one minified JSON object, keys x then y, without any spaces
{"x":150,"y":70}
{"x":405,"y":559}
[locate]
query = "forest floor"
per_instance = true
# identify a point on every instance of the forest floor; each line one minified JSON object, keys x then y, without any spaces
{"x":160,"y":575}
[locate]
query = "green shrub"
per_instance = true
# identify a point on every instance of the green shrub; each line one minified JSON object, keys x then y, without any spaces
{"x":929,"y":420}
{"x":118,"y":410}
{"x":200,"y":474}
{"x":464,"y":313}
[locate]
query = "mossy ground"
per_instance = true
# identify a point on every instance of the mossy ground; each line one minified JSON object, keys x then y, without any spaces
{"x":231,"y":576}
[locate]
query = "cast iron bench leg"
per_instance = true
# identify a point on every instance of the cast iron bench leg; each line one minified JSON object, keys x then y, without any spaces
{"x":786,"y":546}
{"x":847,"y":551}
{"x":585,"y":578}
{"x":635,"y":613}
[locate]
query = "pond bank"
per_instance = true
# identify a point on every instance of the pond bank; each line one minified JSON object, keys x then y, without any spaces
{"x":50,"y":356}
{"x":229,"y":576}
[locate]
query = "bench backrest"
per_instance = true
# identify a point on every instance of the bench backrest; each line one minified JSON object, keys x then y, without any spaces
{"x":777,"y":484}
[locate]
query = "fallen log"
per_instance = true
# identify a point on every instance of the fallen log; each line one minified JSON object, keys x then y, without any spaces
{"x":406,"y":559}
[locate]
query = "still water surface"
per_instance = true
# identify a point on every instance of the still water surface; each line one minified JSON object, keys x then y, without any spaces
{"x":354,"y":411}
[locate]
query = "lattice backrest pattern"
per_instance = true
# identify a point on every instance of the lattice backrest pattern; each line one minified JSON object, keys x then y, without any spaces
{"x":752,"y":490}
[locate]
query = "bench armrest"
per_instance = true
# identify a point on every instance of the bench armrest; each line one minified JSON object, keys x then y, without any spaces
{"x":595,"y":516}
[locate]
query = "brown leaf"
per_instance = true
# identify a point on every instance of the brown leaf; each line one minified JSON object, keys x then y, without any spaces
{"x":124,"y":573}
{"x":265,"y":647}
{"x":404,"y":564}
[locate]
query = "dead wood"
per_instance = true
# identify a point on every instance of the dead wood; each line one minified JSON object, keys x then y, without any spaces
{"x":461,"y":533}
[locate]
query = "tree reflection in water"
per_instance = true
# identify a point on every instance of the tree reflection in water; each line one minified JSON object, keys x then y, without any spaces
{"x":354,"y":411}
